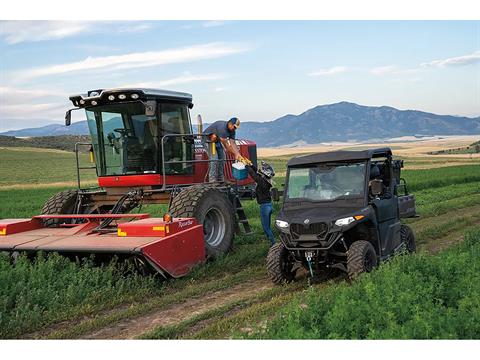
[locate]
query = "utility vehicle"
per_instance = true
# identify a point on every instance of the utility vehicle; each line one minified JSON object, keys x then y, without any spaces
{"x":341,"y":210}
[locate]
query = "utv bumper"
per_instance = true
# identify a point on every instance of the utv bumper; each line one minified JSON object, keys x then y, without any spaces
{"x":307,"y":244}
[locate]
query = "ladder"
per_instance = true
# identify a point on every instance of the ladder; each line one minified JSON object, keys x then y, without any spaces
{"x":242,"y":218}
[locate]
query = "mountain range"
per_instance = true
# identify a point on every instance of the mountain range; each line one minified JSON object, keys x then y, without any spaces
{"x":343,"y":121}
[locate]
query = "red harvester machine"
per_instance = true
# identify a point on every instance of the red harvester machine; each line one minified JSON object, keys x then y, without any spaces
{"x":145,"y":152}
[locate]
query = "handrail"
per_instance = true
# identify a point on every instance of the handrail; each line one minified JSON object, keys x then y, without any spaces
{"x":78,"y":162}
{"x":192,"y":136}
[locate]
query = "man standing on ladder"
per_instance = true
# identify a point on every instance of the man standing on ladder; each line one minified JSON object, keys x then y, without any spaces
{"x":221,"y":134}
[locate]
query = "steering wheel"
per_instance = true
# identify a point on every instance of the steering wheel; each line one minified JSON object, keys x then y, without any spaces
{"x":121,"y":131}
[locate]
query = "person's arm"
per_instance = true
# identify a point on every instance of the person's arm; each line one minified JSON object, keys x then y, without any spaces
{"x":252,"y":171}
{"x":231,"y":147}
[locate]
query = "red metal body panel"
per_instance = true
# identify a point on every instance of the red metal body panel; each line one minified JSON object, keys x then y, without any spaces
{"x":179,"y":253}
{"x":175,"y":252}
{"x":155,"y":227}
{"x":143,"y":180}
{"x":13,"y":226}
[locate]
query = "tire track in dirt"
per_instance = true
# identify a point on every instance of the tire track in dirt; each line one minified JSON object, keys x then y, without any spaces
{"x":133,"y":327}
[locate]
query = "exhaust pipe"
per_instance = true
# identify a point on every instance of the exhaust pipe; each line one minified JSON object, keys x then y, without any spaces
{"x":199,"y":124}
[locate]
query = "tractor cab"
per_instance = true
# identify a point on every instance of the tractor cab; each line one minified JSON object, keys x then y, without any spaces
{"x":134,"y":131}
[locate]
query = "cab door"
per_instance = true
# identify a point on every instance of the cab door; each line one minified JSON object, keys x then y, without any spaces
{"x":386,"y":210}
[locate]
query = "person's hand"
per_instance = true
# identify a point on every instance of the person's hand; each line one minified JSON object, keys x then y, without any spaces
{"x":243,"y":160}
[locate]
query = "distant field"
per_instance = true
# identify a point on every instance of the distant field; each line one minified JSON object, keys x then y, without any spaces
{"x":25,"y":167}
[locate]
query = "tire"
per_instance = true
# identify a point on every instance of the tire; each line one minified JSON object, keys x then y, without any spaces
{"x":408,"y":238}
{"x":280,"y":264}
{"x":213,"y":210}
{"x":61,"y":203}
{"x":361,"y":257}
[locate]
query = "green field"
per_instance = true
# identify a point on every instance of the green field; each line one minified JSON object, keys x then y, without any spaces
{"x":29,"y":166}
{"x":55,"y":298}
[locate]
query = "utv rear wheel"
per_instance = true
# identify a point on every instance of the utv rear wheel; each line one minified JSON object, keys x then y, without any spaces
{"x":280,"y":264}
{"x":60,"y":203}
{"x":213,"y":210}
{"x":408,"y":238}
{"x":361,"y":257}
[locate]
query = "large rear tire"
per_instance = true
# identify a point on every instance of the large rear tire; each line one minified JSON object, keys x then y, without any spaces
{"x":213,"y":210}
{"x":408,"y":238}
{"x":361,"y":257}
{"x":280,"y":265}
{"x":60,"y":203}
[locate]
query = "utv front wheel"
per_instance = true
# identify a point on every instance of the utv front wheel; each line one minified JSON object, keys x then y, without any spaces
{"x":361,"y":257}
{"x":408,"y":238}
{"x":280,"y":264}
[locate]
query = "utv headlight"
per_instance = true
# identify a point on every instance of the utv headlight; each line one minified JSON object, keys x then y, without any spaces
{"x":345,"y":221}
{"x":281,"y":224}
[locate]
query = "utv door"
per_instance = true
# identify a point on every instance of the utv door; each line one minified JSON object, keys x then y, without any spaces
{"x":386,"y":210}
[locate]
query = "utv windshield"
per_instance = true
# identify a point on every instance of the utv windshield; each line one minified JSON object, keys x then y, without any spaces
{"x":126,"y":141}
{"x":326,"y":182}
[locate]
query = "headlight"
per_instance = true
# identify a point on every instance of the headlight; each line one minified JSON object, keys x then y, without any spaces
{"x":344,"y":221}
{"x":281,"y":224}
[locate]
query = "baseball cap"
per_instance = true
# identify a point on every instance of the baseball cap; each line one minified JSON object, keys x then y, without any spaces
{"x":235,"y":121}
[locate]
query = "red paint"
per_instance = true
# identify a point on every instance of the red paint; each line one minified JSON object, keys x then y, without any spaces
{"x":155,"y":227}
{"x":179,"y":253}
{"x":175,"y":252}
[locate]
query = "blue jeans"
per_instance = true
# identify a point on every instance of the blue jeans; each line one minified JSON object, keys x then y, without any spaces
{"x":215,"y":168}
{"x":265,"y":217}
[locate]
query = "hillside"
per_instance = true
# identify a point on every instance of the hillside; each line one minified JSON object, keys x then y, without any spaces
{"x":64,"y":142}
{"x":351,"y":122}
{"x":342,"y":121}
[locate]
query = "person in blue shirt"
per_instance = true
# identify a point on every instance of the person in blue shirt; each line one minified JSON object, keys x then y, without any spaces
{"x":222,"y":135}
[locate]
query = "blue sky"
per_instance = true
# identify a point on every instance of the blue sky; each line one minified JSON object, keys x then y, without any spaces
{"x":256,"y":70}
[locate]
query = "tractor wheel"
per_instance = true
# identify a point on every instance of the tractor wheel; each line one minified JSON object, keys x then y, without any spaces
{"x":408,"y":238}
{"x":213,"y":210}
{"x":361,"y":257}
{"x":280,"y":264}
{"x":61,"y":203}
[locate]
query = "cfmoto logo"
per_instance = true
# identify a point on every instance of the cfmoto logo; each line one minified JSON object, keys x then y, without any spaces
{"x":306,"y":221}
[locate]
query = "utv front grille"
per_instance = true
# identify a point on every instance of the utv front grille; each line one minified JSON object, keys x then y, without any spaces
{"x":320,"y":230}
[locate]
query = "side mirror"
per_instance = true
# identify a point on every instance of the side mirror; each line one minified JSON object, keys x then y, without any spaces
{"x":376,"y":187}
{"x":68,"y":118}
{"x":275,"y":194}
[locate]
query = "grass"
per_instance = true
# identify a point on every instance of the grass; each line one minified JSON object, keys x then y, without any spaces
{"x":51,"y":298}
{"x":52,"y":288}
{"x":411,"y":297}
{"x":28,"y":166}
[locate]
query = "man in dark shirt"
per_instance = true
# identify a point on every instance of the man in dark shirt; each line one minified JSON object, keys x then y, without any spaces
{"x":263,"y":178}
{"x":220,"y":134}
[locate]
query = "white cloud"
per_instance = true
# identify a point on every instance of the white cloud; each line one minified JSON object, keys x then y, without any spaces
{"x":11,"y":96}
{"x":332,"y":71}
{"x":184,"y":79}
{"x":455,"y":61}
{"x":19,"y":31}
{"x":137,"y":60}
{"x":16,"y":31}
{"x":43,"y":110}
{"x":382,"y":70}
